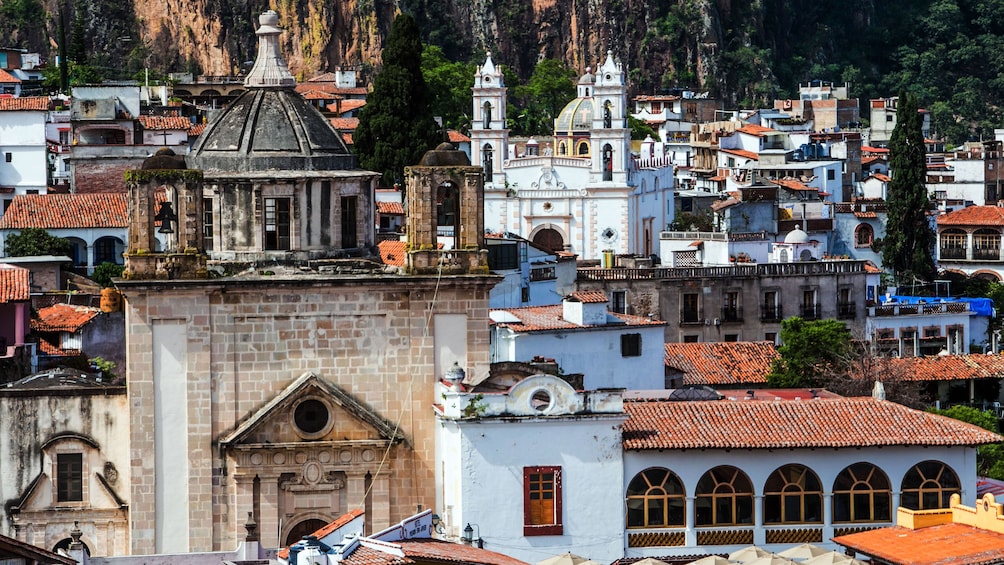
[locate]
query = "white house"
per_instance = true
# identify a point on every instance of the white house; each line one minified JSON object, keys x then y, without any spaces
{"x":584,"y":192}
{"x":611,"y":350}
{"x":23,"y":160}
{"x":532,"y":276}
{"x":611,"y":478}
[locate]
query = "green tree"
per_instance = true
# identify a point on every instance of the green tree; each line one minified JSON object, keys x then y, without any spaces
{"x":541,"y":99}
{"x":989,"y":458}
{"x":32,"y":242}
{"x":449,"y":88}
{"x":395,"y":126}
{"x":909,"y":240}
{"x":78,"y":48}
{"x":105,"y":272}
{"x":811,"y":350}
{"x":640,"y":129}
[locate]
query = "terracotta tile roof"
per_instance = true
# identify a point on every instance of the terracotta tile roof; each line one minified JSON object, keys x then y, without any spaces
{"x":656,"y":98}
{"x":794,"y":184}
{"x":590,"y":296}
{"x":315,"y":94}
{"x":328,"y":86}
{"x":196,"y":129}
{"x":457,"y":137}
{"x":347,"y":105}
{"x":872,"y":159}
{"x":63,"y":318}
{"x":15,"y":284}
{"x":973,"y":216}
{"x":438,"y":551}
{"x":949,"y":367}
{"x":756,"y":130}
{"x":37,"y":103}
{"x":165,"y":122}
{"x":392,"y":252}
{"x":875,"y":150}
{"x":55,"y":211}
{"x":54,"y":350}
{"x":871,"y":268}
{"x":345,"y":124}
{"x":947,"y":544}
{"x":347,"y":138}
{"x":812,"y":423}
{"x":742,"y":153}
{"x":7,"y":77}
{"x":363,"y":555}
{"x":338,"y":522}
{"x":549,"y":318}
{"x":392,"y":208}
{"x":721,"y":363}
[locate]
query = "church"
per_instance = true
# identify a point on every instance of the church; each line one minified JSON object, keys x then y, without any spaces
{"x":584,"y":192}
{"x":274,"y":366}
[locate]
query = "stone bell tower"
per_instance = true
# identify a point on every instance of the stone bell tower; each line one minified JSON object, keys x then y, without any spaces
{"x":165,"y":199}
{"x":445,"y":195}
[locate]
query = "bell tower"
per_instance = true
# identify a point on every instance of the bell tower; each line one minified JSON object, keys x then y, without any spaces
{"x":165,"y":220}
{"x":489,"y":136}
{"x":610,"y":135}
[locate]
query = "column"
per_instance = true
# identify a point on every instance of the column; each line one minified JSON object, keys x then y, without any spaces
{"x":90,"y":258}
{"x":691,"y":533}
{"x":759,"y":534}
{"x":827,"y":516}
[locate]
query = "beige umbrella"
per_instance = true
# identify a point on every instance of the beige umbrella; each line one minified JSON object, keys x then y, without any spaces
{"x":828,"y":558}
{"x":804,"y":551}
{"x":748,"y":554}
{"x":651,"y":561}
{"x":567,"y":559}
{"x":770,"y":560}
{"x":711,"y":560}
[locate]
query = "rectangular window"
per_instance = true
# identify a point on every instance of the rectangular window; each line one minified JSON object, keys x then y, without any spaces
{"x":770,"y":310}
{"x":618,"y":301}
{"x":771,"y":337}
{"x":831,"y":174}
{"x":630,"y":345}
{"x":691,"y":339}
{"x":690,"y":311}
{"x":524,"y":293}
{"x":731,"y":337}
{"x":542,"y":501}
{"x":277,"y":224}
{"x":8,"y":156}
{"x":502,"y":257}
{"x":731,"y":312}
{"x":207,"y":223}
{"x":349,"y":238}
{"x":69,"y":477}
{"x":64,"y":137}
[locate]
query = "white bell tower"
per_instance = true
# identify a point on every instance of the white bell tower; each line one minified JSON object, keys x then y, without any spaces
{"x":489,"y":136}
{"x":610,"y":135}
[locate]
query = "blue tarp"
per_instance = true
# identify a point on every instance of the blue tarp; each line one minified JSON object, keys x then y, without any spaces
{"x":980,"y":306}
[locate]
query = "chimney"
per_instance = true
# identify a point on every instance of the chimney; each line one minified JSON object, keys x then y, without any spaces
{"x":587,"y":308}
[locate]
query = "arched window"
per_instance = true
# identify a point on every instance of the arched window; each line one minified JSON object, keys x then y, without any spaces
{"x":863,"y":235}
{"x":608,"y":162}
{"x":792,"y":495}
{"x":861,"y":493}
{"x":486,"y":115}
{"x":929,"y":485}
{"x":304,"y":528}
{"x":448,"y":210}
{"x":562,"y":150}
{"x":952,"y":244}
{"x":655,"y":497}
{"x":987,"y":244}
{"x":583,"y":148}
{"x":607,"y":115}
{"x":487,"y":162}
{"x":724,"y":497}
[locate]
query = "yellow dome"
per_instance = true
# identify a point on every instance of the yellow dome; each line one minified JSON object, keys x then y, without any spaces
{"x":577,"y":115}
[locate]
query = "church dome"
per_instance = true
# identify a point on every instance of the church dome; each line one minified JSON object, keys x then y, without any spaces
{"x":270,"y":126}
{"x":796,"y":235}
{"x":577,"y":115}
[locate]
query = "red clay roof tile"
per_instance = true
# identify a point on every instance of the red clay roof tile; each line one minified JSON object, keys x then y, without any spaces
{"x":742,"y":153}
{"x":165,"y":122}
{"x":15,"y":284}
{"x":63,"y":318}
{"x":36,"y":103}
{"x":753,"y":129}
{"x":56,"y":211}
{"x":457,"y":137}
{"x":390,"y":208}
{"x":7,"y":77}
{"x":345,"y":124}
{"x":548,"y":318}
{"x":949,"y":367}
{"x":722,"y":363}
{"x":946,"y":544}
{"x":973,"y":216}
{"x":590,"y":296}
{"x":392,"y":252}
{"x":439,"y":551}
{"x":810,"y":423}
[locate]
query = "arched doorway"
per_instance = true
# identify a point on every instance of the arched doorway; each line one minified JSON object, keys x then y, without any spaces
{"x":549,"y":239}
{"x":304,"y":528}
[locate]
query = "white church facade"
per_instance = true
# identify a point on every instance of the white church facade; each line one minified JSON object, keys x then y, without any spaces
{"x":585,"y":192}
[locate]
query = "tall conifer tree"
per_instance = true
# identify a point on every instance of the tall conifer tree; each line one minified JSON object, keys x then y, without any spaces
{"x":909,"y":240}
{"x":396,"y":126}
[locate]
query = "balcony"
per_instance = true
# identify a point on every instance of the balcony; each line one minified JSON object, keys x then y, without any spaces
{"x":987,"y":254}
{"x":732,"y":314}
{"x":809,"y":311}
{"x":689,"y":316}
{"x":847,"y":310}
{"x":770,"y":313}
{"x":915,"y":309}
{"x":952,"y":253}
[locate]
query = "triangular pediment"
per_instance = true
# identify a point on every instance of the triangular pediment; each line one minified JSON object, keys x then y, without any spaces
{"x":311,"y":409}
